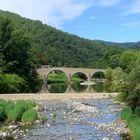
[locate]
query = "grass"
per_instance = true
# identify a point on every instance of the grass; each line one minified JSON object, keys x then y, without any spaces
{"x":29,"y":117}
{"x":14,"y":111}
{"x":133,"y":121}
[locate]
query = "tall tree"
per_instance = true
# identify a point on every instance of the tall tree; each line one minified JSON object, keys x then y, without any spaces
{"x":16,"y":56}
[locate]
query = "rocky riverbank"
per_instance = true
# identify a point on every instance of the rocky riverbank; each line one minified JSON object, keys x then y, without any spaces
{"x":79,"y":120}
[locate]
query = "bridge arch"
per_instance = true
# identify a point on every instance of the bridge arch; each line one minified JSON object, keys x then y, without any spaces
{"x":43,"y":72}
{"x":60,"y":74}
{"x":83,"y":76}
{"x":98,"y":75}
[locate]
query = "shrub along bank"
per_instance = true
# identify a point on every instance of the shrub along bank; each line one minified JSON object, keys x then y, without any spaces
{"x":133,"y":121}
{"x":19,"y":111}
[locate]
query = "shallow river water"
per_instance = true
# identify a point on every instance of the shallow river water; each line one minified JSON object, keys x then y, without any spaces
{"x":79,"y":120}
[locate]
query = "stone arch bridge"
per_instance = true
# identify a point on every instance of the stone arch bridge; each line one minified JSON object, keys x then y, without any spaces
{"x":44,"y":72}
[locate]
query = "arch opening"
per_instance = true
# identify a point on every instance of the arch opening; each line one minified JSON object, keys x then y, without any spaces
{"x":99,"y":75}
{"x":56,"y":81}
{"x":79,"y":77}
{"x":56,"y":76}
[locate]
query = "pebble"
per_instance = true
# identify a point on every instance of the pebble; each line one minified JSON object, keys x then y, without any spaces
{"x":105,"y":138}
{"x":4,"y":134}
{"x":12,"y":126}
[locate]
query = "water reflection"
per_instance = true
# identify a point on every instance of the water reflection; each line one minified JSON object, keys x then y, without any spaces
{"x":99,"y":87}
{"x":74,"y":88}
{"x":57,"y":88}
{"x":77,"y":87}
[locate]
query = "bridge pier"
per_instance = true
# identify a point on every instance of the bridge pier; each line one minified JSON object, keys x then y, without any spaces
{"x":89,"y":77}
{"x":69,"y":78}
{"x":45,"y":80}
{"x":69,"y":88}
{"x":44,"y":87}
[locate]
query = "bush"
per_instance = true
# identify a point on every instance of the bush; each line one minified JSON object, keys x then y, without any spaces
{"x":12,"y":116}
{"x":11,"y":83}
{"x":121,"y":97}
{"x":29,"y":117}
{"x":126,"y":113}
{"x":26,"y":104}
{"x":2,"y":114}
{"x":9,"y":106}
{"x":14,"y":112}
{"x":137,"y":111}
{"x":17,"y":111}
{"x":22,"y":104}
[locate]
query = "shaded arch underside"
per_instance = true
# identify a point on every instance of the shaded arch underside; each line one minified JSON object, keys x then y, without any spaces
{"x":79,"y":75}
{"x":98,"y":75}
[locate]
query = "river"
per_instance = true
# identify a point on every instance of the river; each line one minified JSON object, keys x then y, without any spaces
{"x":79,"y":120}
{"x":75,"y":87}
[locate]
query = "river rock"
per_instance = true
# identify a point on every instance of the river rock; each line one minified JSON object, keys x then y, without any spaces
{"x":78,"y":106}
{"x":105,"y":138}
{"x":12,"y":126}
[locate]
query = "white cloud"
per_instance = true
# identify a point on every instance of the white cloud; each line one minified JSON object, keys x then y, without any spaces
{"x":52,"y":12}
{"x":134,"y":8}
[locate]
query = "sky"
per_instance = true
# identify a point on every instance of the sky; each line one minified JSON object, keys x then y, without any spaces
{"x":109,"y":20}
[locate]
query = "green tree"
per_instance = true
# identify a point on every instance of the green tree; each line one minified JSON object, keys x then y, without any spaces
{"x":5,"y":35}
{"x":16,"y":55}
{"x":128,"y":60}
{"x":11,"y":83}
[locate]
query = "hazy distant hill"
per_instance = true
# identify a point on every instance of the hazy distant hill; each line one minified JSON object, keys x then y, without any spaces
{"x":132,"y":45}
{"x":58,"y":48}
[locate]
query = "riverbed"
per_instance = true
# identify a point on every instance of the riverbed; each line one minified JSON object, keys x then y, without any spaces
{"x":81,"y":119}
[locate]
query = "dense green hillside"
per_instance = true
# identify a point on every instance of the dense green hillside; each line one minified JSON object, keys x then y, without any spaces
{"x":56,"y":48}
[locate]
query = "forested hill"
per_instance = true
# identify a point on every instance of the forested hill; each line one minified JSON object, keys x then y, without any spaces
{"x":130,"y":45}
{"x":57,"y":48}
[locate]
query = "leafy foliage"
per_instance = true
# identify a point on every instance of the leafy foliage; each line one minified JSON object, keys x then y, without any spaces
{"x":17,"y":63}
{"x":56,"y":48}
{"x":11,"y":83}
